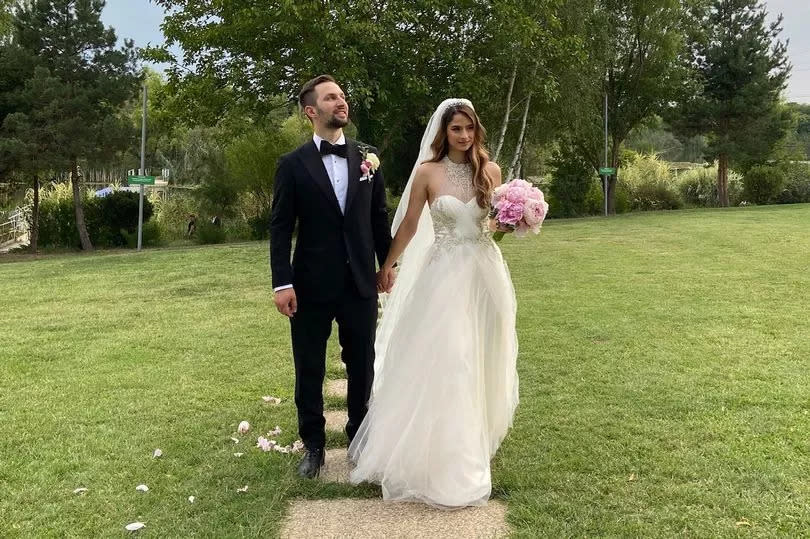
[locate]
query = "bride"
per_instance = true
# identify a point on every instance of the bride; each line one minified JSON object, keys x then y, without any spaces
{"x":445,"y":385}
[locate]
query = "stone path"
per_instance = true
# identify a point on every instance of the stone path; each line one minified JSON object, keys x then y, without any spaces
{"x":360,"y":518}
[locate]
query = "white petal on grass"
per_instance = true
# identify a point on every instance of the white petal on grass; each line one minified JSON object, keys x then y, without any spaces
{"x":142,"y":488}
{"x":243,"y":427}
{"x":191,"y":499}
{"x":275,"y":432}
{"x":271,"y":400}
{"x":135,"y":526}
{"x":297,"y":446}
{"x":238,"y":454}
{"x":80,"y":490}
{"x":157,"y":454}
{"x":235,"y":440}
{"x":243,"y":489}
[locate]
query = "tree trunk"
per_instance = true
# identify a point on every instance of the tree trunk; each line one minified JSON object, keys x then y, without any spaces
{"x":722,"y":180}
{"x":34,"y":232}
{"x":505,"y":124}
{"x":519,"y":147}
{"x":77,"y":204}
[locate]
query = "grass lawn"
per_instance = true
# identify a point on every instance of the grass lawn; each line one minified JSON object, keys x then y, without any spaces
{"x":663,"y":363}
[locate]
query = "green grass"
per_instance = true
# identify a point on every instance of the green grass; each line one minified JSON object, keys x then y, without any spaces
{"x":663,"y":363}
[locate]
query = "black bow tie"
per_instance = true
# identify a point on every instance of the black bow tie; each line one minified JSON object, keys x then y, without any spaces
{"x":337,"y":149}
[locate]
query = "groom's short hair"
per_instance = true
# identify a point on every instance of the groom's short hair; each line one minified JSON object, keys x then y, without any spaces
{"x":307,"y":97}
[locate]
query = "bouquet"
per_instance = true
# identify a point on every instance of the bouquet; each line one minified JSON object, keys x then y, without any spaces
{"x":518,"y":206}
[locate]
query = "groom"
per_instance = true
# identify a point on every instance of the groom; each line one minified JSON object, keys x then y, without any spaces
{"x":326,"y":187}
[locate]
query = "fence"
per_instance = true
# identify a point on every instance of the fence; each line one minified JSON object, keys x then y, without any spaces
{"x":14,"y":225}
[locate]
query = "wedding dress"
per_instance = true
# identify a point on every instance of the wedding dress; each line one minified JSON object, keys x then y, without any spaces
{"x":446,"y":385}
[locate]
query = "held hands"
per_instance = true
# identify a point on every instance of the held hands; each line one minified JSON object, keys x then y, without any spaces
{"x":385,"y":279}
{"x":286,"y":302}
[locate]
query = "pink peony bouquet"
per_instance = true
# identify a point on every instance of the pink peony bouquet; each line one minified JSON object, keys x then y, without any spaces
{"x":518,"y":206}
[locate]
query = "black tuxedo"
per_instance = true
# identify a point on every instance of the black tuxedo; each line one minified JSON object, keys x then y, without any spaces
{"x":333,"y":273}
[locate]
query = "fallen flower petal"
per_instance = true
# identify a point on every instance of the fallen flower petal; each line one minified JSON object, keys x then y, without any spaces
{"x":238,"y":454}
{"x":191,"y":499}
{"x":235,"y":440}
{"x":80,"y":490}
{"x":243,"y":427}
{"x":271,"y":400}
{"x":135,"y":526}
{"x":275,"y":432}
{"x":297,"y":446}
{"x":142,"y":488}
{"x":243,"y":489}
{"x":158,"y":453}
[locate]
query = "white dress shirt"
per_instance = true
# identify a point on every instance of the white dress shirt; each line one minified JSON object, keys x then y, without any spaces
{"x":337,"y":168}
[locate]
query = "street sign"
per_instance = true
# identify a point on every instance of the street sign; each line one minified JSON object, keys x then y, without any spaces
{"x":141,"y":180}
{"x":607,"y":171}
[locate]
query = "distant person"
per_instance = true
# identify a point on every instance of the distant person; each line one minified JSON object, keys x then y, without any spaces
{"x":216,"y":221}
{"x":192,"y":225}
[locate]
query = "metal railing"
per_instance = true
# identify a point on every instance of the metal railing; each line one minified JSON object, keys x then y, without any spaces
{"x":14,"y":225}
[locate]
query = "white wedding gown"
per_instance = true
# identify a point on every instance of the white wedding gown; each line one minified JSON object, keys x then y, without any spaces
{"x":446,"y":385}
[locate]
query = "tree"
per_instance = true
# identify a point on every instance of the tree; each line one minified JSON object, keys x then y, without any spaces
{"x":742,"y":68}
{"x":94,"y":79}
{"x":395,"y":59}
{"x":634,"y":51}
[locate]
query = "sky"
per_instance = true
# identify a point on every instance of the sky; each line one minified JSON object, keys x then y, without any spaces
{"x":140,"y":20}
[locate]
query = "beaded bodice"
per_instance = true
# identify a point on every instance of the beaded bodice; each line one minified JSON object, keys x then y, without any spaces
{"x":457,"y":217}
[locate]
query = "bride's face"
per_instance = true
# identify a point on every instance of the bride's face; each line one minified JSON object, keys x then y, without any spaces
{"x":460,"y":132}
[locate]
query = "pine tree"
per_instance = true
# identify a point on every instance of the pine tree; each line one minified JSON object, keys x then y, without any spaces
{"x":742,"y":68}
{"x":67,"y":39}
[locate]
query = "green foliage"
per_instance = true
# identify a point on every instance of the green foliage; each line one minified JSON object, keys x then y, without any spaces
{"x":763,"y":184}
{"x":649,"y":183}
{"x":172,"y":213}
{"x":572,"y":179}
{"x":110,"y":220}
{"x":698,"y":187}
{"x":742,"y":68}
{"x":797,"y":183}
{"x":208,"y":233}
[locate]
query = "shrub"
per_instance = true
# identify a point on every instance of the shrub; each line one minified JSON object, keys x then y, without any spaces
{"x":797,"y":184}
{"x":151,"y":235}
{"x":571,"y":182}
{"x":698,"y":187}
{"x":172,"y":213}
{"x":208,"y":233}
{"x":763,"y":184}
{"x":108,"y":219}
{"x":649,"y":184}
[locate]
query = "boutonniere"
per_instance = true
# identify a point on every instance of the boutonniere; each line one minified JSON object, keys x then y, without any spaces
{"x":370,"y":163}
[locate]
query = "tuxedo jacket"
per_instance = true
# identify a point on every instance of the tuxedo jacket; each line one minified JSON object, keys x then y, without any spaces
{"x":328,"y":243}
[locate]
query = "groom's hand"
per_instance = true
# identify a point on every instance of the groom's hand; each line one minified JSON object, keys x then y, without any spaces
{"x":286,"y":302}
{"x":385,"y":279}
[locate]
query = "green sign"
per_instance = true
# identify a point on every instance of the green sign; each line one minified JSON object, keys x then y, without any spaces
{"x":607,"y":171}
{"x":141,"y":180}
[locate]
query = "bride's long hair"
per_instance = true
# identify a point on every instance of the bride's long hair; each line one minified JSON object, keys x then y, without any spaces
{"x":477,"y":155}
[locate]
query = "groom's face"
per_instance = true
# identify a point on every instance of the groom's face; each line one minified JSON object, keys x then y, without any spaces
{"x":331,"y":108}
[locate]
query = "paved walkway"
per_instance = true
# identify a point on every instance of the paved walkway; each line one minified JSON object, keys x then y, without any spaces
{"x":362,"y":518}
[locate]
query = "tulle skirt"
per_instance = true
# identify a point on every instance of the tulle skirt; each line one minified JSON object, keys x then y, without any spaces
{"x":446,"y":384}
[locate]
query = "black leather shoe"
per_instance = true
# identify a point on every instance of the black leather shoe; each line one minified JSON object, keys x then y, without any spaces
{"x":310,"y":465}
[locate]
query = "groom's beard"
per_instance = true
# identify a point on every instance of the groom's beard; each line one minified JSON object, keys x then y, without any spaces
{"x":334,"y":122}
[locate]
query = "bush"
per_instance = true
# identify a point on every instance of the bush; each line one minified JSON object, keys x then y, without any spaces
{"x":797,"y":184}
{"x":151,"y":235}
{"x":208,"y":233}
{"x":571,"y":182}
{"x":109,"y":220}
{"x":649,"y":184}
{"x":763,"y":184}
{"x":698,"y":187}
{"x":172,"y":213}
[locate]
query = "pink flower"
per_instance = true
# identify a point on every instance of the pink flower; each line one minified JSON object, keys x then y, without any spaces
{"x":510,"y":214}
{"x":534,"y":211}
{"x":264,"y":444}
{"x":364,"y":168}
